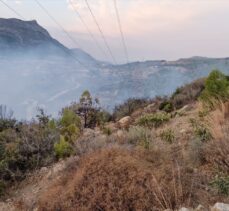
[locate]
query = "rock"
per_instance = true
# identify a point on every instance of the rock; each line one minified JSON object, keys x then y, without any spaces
{"x":201,"y":208}
{"x":124,"y":122}
{"x":185,"y":209}
{"x":220,"y":207}
{"x":43,"y":170}
{"x":120,"y":134}
{"x":185,"y":109}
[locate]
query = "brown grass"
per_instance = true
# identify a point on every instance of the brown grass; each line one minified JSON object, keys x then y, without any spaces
{"x":119,"y":179}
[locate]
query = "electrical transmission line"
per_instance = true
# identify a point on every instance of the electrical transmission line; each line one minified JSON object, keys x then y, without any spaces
{"x":101,"y":32}
{"x":57,"y":23}
{"x":121,"y":31}
{"x":63,"y":29}
{"x":87,"y":28}
{"x":13,"y":10}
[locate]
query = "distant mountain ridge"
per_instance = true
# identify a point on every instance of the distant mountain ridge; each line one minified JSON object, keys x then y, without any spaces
{"x":48,"y":74}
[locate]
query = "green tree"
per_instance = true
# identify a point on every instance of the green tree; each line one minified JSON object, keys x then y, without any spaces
{"x":69,"y":117}
{"x":216,"y":88}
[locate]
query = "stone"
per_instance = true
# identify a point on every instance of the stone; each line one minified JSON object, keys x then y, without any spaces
{"x":201,"y":208}
{"x":125,"y":122}
{"x":185,"y":209}
{"x":220,"y":207}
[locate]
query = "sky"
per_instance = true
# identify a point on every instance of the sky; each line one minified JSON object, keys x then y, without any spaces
{"x":153,"y":29}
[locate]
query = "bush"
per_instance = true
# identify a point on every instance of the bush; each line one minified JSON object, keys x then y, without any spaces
{"x":107,"y":131}
{"x":168,"y":136}
{"x":201,"y":131}
{"x":166,"y":106}
{"x":63,"y":148}
{"x":128,"y":107}
{"x":2,"y":188}
{"x":71,"y":133}
{"x":216,"y":153}
{"x":221,"y":184}
{"x":187,"y":94}
{"x":68,"y":118}
{"x":216,"y":89}
{"x":70,"y":126}
{"x":153,"y":120}
{"x":24,"y":150}
{"x":103,"y":117}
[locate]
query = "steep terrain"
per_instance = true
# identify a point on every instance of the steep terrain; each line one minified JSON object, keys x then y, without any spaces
{"x":17,"y":35}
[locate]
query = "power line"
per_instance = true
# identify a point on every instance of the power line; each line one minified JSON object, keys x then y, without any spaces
{"x":13,"y":10}
{"x":57,"y":23}
{"x":87,"y":28}
{"x":121,"y":31}
{"x":63,"y":29}
{"x":101,"y":32}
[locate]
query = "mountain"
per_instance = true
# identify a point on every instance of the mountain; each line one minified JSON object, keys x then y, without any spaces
{"x":37,"y":70}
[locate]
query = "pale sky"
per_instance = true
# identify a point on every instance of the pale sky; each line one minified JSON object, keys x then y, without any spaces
{"x":153,"y":29}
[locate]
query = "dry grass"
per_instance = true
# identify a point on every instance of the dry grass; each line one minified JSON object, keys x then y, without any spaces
{"x":217,"y":154}
{"x":119,"y":179}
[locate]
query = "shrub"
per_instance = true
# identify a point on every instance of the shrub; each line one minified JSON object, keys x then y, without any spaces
{"x":201,"y":131}
{"x":153,"y":120}
{"x":103,"y":117}
{"x":216,"y":89}
{"x":168,"y":136}
{"x":71,"y":125}
{"x":2,"y":188}
{"x":187,"y":94}
{"x":128,"y":107}
{"x":166,"y":106}
{"x":139,"y":136}
{"x":107,"y":131}
{"x":216,"y":153}
{"x":62,"y":148}
{"x":68,"y":118}
{"x":71,"y":133}
{"x":221,"y":184}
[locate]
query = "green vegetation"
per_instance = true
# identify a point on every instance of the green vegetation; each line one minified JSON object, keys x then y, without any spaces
{"x":107,"y":131}
{"x":201,"y":130}
{"x":63,"y":148}
{"x":168,"y":136}
{"x":221,"y":184}
{"x":166,"y":106}
{"x":216,"y":89}
{"x":153,"y":120}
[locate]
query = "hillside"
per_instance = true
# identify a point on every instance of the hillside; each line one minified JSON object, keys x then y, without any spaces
{"x":157,"y":154}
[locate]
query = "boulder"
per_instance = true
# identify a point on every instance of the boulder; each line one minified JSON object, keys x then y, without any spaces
{"x":220,"y":207}
{"x":124,"y":122}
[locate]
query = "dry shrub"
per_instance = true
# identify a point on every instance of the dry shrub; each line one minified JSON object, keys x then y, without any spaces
{"x":217,"y":154}
{"x":188,"y":93}
{"x":219,"y":120}
{"x":119,"y":179}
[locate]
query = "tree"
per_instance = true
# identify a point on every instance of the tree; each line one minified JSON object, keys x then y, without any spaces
{"x":88,"y":109}
{"x":42,"y":117}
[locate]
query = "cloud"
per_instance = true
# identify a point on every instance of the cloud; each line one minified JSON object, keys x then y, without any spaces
{"x":144,"y":16}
